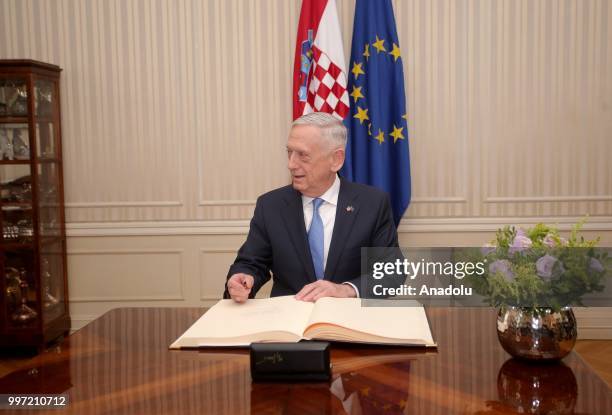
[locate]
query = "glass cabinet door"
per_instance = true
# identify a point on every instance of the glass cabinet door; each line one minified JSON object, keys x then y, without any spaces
{"x":13,"y":97}
{"x":14,"y":142}
{"x":46,"y":118}
{"x":52,"y":280}
{"x":46,"y":114}
{"x":50,"y":241}
{"x":20,"y":288}
{"x":44,"y":98}
{"x":16,"y":208}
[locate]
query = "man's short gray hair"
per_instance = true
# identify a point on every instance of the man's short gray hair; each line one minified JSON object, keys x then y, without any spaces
{"x":332,"y":129}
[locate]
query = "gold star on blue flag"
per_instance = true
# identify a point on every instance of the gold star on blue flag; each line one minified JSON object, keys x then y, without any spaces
{"x":370,"y":158}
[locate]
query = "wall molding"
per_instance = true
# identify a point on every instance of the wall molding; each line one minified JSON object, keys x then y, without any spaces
{"x":544,"y":199}
{"x":594,"y":322}
{"x":448,"y":199}
{"x":180,"y":296}
{"x":241,"y":227}
{"x":218,"y":250}
{"x":160,"y":228}
{"x":222,"y":202}
{"x":491,"y":224}
{"x":85,"y":205}
{"x":125,"y":299}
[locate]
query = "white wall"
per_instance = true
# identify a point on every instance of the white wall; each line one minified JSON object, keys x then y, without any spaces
{"x":175,"y":115}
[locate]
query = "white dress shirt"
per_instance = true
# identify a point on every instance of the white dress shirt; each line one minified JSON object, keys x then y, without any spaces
{"x":327,"y":211}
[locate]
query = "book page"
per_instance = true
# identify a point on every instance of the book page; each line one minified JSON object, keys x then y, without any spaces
{"x":377,"y":323}
{"x":228,"y":323}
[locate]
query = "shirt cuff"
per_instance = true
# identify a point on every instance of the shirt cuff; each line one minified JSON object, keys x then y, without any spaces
{"x":354,"y":288}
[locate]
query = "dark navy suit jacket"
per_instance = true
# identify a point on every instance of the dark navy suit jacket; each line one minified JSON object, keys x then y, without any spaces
{"x":277,"y":242}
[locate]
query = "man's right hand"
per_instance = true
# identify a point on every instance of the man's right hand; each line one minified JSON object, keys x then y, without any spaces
{"x":239,"y":286}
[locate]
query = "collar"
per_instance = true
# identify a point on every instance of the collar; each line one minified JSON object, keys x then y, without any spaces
{"x":330,"y":196}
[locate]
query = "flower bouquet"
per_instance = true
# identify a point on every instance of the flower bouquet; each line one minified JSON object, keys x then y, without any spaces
{"x":534,"y":275}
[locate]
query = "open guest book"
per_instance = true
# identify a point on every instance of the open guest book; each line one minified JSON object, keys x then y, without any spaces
{"x":285,"y":319}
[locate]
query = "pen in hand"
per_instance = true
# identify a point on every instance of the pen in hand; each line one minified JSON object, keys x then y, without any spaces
{"x":239,"y":286}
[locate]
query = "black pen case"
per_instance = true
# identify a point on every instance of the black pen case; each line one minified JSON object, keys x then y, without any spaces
{"x":297,"y":362}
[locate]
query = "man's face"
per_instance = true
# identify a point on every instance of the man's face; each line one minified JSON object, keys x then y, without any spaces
{"x":312,"y":164}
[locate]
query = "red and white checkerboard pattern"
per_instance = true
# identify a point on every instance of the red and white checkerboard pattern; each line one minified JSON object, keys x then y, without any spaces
{"x":327,"y":87}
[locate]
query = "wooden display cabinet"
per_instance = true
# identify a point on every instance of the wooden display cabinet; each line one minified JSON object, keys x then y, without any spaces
{"x":34,"y":300}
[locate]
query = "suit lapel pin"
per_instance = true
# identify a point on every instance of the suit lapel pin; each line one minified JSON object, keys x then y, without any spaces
{"x":349,"y":208}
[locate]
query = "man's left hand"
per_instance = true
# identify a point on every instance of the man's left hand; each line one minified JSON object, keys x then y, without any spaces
{"x":322,"y":288}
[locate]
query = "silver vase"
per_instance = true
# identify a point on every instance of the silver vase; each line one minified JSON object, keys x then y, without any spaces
{"x":536,"y":333}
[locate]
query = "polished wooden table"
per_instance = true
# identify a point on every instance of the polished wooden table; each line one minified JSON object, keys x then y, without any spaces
{"x":120,"y":364}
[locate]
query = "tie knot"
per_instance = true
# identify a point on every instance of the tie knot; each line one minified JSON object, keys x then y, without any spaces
{"x":316,"y":203}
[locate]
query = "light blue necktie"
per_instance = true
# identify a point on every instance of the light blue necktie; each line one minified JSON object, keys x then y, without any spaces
{"x":315,"y":239}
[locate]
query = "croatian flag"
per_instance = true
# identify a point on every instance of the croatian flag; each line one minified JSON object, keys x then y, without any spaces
{"x":319,"y":70}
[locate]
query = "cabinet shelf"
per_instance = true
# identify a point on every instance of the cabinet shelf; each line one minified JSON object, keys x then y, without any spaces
{"x":16,"y":246}
{"x":49,"y":160}
{"x":25,"y":162}
{"x":8,"y":206}
{"x":14,"y":120}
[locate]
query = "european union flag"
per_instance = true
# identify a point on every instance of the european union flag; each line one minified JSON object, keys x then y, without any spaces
{"x":377,"y":151}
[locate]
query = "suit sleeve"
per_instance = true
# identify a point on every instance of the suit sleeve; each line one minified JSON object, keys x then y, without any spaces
{"x":384,"y":235}
{"x":255,"y":255}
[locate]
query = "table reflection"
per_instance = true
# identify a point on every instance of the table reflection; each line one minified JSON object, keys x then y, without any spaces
{"x":360,"y":395}
{"x":536,"y":388}
{"x":357,"y":386}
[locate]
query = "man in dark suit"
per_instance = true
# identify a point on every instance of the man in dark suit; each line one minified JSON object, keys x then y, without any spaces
{"x":309,"y":234}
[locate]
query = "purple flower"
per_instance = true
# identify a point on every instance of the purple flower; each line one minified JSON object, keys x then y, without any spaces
{"x":520,"y":242}
{"x":503,"y":266}
{"x":546,"y":265}
{"x":595,"y":265}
